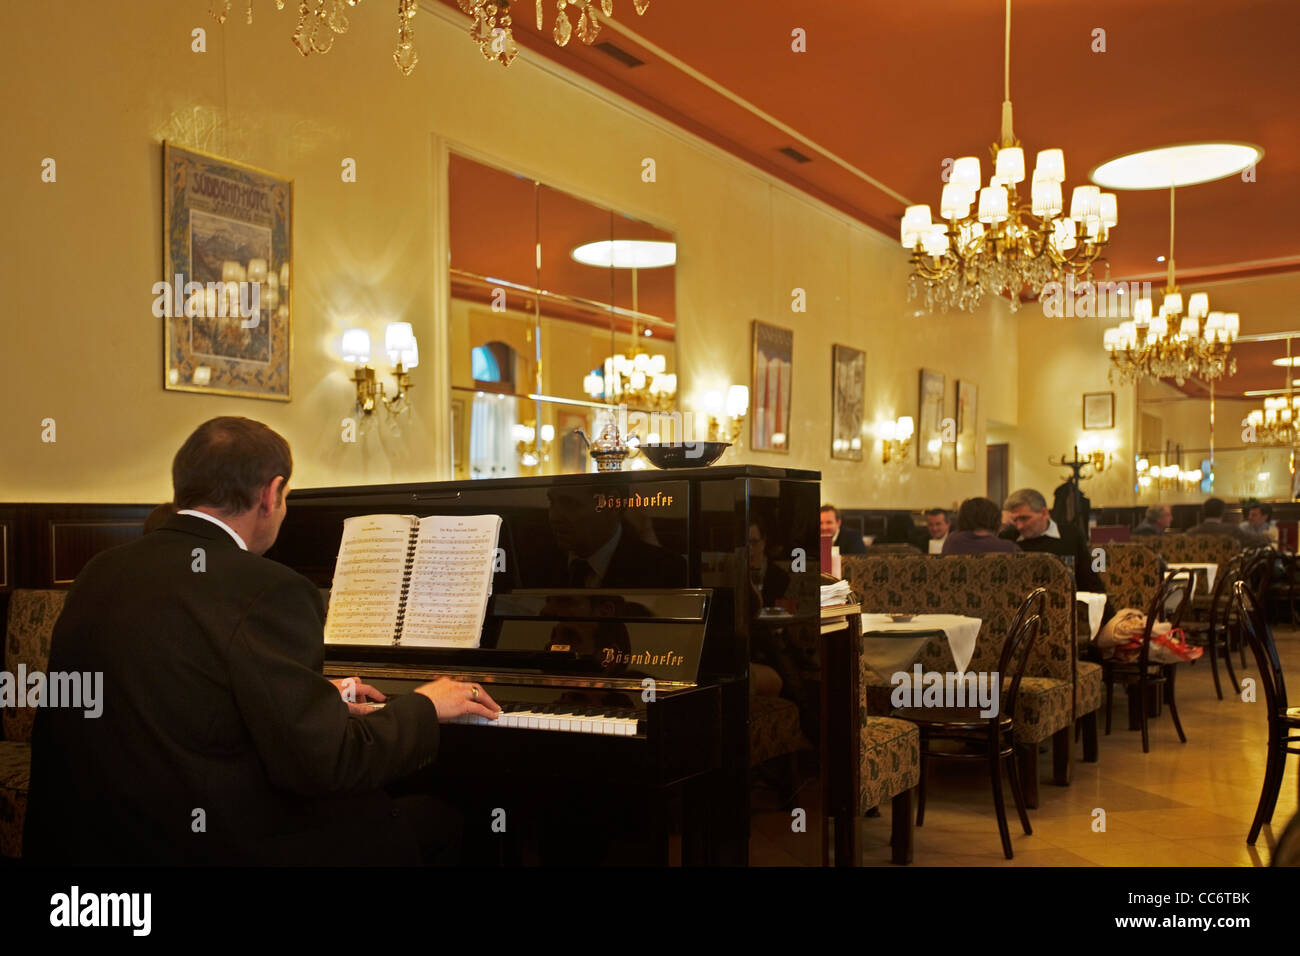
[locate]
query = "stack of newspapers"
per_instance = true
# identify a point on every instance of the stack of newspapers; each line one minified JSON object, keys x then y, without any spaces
{"x":836,"y":594}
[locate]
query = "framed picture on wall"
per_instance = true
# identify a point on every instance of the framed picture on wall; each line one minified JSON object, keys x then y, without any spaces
{"x":225,"y":296}
{"x":770,"y":388}
{"x":848,"y":401}
{"x":967,"y":405}
{"x":1098,"y":409}
{"x":929,"y":420}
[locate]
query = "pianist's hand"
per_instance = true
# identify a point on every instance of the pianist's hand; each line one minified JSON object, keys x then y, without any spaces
{"x":453,"y":698}
{"x":355,"y":694}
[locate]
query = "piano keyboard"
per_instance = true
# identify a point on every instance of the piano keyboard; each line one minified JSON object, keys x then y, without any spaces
{"x":573,"y":719}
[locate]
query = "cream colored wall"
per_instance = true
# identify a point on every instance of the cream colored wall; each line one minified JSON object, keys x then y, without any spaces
{"x":79,"y":256}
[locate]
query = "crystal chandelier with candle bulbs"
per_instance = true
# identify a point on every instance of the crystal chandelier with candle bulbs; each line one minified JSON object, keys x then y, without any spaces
{"x":1171,"y":343}
{"x":491,"y":28}
{"x":1004,"y":248}
{"x":637,"y":379}
{"x":1275,"y":423}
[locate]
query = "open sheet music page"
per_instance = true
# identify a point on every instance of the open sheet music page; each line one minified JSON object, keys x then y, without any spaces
{"x":366,"y":596}
{"x":451,"y":579}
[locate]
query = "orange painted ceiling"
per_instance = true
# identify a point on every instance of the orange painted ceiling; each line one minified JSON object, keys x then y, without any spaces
{"x":893,"y":87}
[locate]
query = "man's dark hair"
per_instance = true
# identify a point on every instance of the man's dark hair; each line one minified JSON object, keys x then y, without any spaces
{"x":979,"y":514}
{"x":1213,"y":508}
{"x":1155,"y":512}
{"x":931,"y":512}
{"x":899,"y":529}
{"x":826,"y":508}
{"x":1265,"y":509}
{"x":226,"y":462}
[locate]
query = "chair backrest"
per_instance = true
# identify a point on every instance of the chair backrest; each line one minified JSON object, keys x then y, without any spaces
{"x":1257,"y":570}
{"x":1016,"y":651}
{"x":1193,"y":548}
{"x":1255,"y":629}
{"x":1177,"y":583}
{"x":1221,"y":602}
{"x":1132,"y":574}
{"x":30,"y":626}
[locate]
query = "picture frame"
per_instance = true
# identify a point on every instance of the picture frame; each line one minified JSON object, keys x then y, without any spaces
{"x":1098,"y":410}
{"x":848,"y":401}
{"x":929,"y":419}
{"x":770,"y":387}
{"x":226,"y":295}
{"x":967,"y":411}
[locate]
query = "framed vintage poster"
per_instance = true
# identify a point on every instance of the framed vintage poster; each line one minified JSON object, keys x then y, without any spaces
{"x":848,"y":401}
{"x":929,"y":420}
{"x":770,"y":388}
{"x":967,"y":405}
{"x":225,"y":296}
{"x":1098,"y":409}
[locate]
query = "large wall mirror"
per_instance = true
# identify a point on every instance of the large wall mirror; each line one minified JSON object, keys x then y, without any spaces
{"x":1246,"y":427}
{"x":560,"y":311}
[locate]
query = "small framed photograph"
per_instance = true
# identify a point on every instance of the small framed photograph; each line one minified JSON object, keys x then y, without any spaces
{"x":1098,"y":409}
{"x":848,"y":398}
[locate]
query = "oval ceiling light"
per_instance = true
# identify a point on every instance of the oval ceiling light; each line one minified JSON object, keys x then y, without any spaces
{"x":627,"y":253}
{"x":1182,"y":165}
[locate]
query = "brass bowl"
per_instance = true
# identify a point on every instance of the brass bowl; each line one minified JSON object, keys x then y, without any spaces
{"x":901,"y":618}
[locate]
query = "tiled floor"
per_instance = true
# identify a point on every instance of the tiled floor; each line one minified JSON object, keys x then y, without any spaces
{"x":1180,"y":805}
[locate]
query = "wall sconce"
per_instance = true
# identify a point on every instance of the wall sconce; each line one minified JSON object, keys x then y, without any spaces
{"x":1166,"y":477}
{"x":1099,"y":455}
{"x":735,"y":407}
{"x":895,"y":437}
{"x":530,"y":455}
{"x":403,"y":354}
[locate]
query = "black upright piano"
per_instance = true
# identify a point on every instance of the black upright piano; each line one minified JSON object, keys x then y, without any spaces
{"x":619,"y":638}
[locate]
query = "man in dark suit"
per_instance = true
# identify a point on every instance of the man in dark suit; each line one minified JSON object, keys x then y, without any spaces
{"x":846,"y":539}
{"x":1033,"y":529}
{"x":601,"y":549}
{"x":220,"y":741}
{"x":1212,"y":523}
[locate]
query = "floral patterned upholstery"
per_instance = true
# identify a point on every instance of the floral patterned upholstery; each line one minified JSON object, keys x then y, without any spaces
{"x":1193,"y":548}
{"x":1132,"y":575}
{"x":27,"y":641}
{"x":773,"y":728}
{"x":1088,"y":687}
{"x":890,"y":760}
{"x":15,"y":777}
{"x":992,"y":588}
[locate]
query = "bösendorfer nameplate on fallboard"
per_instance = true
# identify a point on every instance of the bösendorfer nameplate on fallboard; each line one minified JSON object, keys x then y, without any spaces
{"x":402,"y":579}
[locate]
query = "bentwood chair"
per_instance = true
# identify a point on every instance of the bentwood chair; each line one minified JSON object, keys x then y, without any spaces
{"x":1283,"y":721}
{"x":1143,"y":675}
{"x":1217,"y":635}
{"x":973,"y":737}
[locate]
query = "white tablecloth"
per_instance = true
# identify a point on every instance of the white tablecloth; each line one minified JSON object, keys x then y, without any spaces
{"x":887,"y":655}
{"x":1096,"y":601}
{"x":1210,"y":571}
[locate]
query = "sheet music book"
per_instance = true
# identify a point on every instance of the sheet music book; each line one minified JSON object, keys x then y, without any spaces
{"x":401,"y":579}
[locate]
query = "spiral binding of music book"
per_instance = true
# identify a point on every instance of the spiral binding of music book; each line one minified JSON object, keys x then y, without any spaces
{"x":406,"y":578}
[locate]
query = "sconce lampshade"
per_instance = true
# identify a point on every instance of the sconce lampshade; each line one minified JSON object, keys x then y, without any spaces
{"x":398,"y":339}
{"x":737,"y":401}
{"x":356,"y":346}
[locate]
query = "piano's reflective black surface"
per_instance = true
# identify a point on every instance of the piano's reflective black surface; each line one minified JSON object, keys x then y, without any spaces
{"x":689,"y":577}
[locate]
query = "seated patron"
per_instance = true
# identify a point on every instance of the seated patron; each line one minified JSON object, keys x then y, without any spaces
{"x":215,"y":700}
{"x":899,"y":530}
{"x":1157,"y":521}
{"x":938,"y":524}
{"x":846,"y":539}
{"x":1259,"y":520}
{"x":978,"y":521}
{"x":1212,"y":523}
{"x":1033,"y":529}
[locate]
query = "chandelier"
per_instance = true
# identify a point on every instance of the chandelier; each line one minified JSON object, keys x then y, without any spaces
{"x":1005,"y":247}
{"x":1171,"y":344}
{"x":320,"y":21}
{"x":637,"y":379}
{"x":1166,"y":477}
{"x":1275,"y":423}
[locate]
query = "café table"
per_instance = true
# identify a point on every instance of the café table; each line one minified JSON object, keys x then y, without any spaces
{"x":1207,"y":572}
{"x":891,"y":646}
{"x":1096,"y":604}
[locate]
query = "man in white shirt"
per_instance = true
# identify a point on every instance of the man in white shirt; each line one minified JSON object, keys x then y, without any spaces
{"x":938,"y":523}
